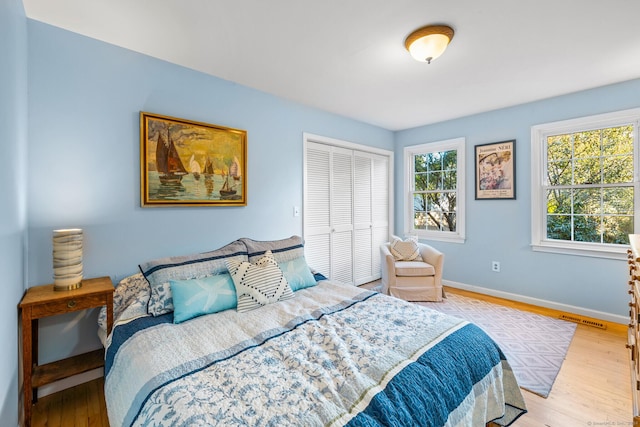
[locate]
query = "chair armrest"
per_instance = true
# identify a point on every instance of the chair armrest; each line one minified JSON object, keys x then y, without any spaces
{"x":387,"y":266}
{"x":434,"y":257}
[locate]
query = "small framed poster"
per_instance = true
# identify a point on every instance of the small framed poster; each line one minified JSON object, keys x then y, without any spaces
{"x":495,"y":170}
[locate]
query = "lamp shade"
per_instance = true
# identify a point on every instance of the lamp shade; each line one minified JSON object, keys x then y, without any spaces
{"x":67,"y":259}
{"x":427,"y":43}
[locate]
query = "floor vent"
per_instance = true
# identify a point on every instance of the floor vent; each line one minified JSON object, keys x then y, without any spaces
{"x":581,"y":321}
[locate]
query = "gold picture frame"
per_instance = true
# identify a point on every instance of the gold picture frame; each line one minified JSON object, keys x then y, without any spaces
{"x":495,"y":170}
{"x":187,"y":163}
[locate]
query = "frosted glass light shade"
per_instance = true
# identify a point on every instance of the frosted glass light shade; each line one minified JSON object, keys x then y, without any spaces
{"x":67,"y":259}
{"x":428,"y":43}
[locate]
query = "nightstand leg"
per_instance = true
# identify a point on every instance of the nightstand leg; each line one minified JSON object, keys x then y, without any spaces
{"x":34,"y":354}
{"x":27,"y":363}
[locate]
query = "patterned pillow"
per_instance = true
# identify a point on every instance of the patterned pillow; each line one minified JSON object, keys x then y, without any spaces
{"x":258,"y":284}
{"x":289,"y":254}
{"x":132,"y":294}
{"x":404,"y":250}
{"x":160,"y":271}
{"x":196,"y":297}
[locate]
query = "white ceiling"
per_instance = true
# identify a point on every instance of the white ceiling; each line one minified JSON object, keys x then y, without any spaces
{"x":348,"y":56}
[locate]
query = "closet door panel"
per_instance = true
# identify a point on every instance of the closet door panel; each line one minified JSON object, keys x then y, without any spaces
{"x":362,"y":195}
{"x":380,"y":207}
{"x":317,"y":230}
{"x":342,"y":215}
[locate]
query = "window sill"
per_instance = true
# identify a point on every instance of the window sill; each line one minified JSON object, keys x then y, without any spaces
{"x":582,"y":249}
{"x":439,"y":237}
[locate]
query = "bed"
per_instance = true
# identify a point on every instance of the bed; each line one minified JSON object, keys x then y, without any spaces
{"x":327,"y":354}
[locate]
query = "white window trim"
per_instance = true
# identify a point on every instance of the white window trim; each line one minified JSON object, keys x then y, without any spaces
{"x":459,"y":145}
{"x":538,"y":177}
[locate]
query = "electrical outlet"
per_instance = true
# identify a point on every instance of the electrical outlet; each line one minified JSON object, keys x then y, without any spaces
{"x":296,"y":211}
{"x":495,"y":266}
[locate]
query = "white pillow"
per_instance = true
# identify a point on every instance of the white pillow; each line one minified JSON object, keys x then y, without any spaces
{"x":404,"y":250}
{"x":258,"y":284}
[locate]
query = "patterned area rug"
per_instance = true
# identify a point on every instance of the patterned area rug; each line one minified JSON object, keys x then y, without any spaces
{"x":535,"y":345}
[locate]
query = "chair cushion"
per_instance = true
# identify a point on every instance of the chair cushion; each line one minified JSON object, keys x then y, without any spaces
{"x":414,"y":268}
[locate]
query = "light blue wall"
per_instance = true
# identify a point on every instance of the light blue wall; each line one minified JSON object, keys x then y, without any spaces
{"x":84,"y":102}
{"x":501,"y":229}
{"x":13,"y":145}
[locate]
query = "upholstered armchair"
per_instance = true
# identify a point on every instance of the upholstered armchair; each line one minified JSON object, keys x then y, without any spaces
{"x":411,"y":270}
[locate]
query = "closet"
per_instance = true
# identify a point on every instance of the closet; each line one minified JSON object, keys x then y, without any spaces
{"x":347,"y":208}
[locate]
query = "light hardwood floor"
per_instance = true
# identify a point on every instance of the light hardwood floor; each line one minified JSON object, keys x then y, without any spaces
{"x":592,"y":389}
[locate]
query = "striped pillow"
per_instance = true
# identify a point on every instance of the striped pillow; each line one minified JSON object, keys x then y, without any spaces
{"x":258,"y":284}
{"x":406,"y":250}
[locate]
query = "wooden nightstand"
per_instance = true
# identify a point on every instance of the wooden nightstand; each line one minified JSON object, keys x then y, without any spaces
{"x":43,"y":301}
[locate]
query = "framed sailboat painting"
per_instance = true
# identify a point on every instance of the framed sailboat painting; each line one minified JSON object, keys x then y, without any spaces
{"x":187,"y":163}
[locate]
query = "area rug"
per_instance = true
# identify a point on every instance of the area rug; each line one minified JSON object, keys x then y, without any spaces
{"x":534,"y":345}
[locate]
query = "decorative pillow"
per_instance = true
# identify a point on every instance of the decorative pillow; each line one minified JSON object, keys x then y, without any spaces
{"x":195,"y":297}
{"x":258,"y":284}
{"x":289,"y":254}
{"x":282,"y":250}
{"x":160,"y":271}
{"x":404,"y":250}
{"x":297,"y":273}
{"x":132,"y":294}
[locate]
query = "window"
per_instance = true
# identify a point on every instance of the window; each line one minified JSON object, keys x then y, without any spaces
{"x":435,"y":190}
{"x":584,"y":183}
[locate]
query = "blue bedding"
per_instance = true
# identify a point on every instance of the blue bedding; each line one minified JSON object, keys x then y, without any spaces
{"x":332,"y":355}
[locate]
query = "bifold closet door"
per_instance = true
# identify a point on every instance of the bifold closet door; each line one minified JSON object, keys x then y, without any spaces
{"x":328,"y":214}
{"x":371,"y":214}
{"x":346,"y":215}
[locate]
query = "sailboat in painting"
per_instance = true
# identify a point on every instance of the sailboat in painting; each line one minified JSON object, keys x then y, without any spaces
{"x":194,"y":167}
{"x":234,"y":169}
{"x":227,"y":190}
{"x":168,"y":163}
{"x":208,"y":176}
{"x":208,"y":167}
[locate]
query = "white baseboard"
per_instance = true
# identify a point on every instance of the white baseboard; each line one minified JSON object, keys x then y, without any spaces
{"x":595,"y":314}
{"x":70,"y":382}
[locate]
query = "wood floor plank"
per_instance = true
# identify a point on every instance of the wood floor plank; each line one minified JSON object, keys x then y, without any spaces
{"x":93,"y":404}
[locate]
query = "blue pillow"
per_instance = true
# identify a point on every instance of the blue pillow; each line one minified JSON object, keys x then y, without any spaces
{"x":196,"y":297}
{"x":297,"y":273}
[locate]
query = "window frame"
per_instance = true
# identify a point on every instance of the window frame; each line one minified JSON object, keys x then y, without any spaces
{"x":459,"y":145}
{"x":539,"y":133}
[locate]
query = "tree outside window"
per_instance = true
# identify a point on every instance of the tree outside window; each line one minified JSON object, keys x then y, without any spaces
{"x":584,"y":184}
{"x":435,"y":190}
{"x":590,"y":193}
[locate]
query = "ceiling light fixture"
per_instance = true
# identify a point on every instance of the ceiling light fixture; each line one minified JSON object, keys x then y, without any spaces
{"x":427,"y":43}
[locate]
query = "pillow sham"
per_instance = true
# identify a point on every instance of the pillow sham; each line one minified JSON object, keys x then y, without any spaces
{"x":282,"y":250}
{"x":159,"y":272}
{"x":258,"y":284}
{"x":404,"y":250}
{"x":196,"y":297}
{"x":289,"y":254}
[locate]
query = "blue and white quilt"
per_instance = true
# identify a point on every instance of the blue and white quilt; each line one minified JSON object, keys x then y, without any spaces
{"x":333,"y":355}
